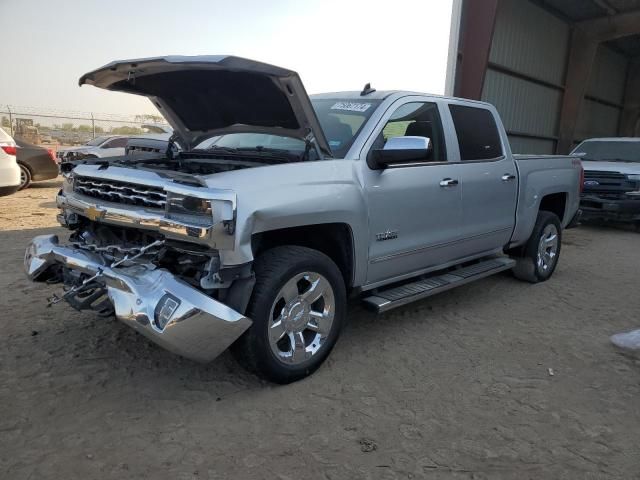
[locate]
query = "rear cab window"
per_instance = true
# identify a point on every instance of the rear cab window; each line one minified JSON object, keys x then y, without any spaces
{"x":477,"y":132}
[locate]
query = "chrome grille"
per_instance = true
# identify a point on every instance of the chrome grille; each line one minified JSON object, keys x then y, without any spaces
{"x":608,"y":175}
{"x":607,"y":184}
{"x":121,"y":192}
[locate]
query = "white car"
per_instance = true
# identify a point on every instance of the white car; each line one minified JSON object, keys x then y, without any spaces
{"x":156,"y":140}
{"x":99,"y":147}
{"x":9,"y":169}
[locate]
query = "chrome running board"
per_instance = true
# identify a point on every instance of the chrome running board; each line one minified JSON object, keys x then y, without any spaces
{"x":384,"y":299}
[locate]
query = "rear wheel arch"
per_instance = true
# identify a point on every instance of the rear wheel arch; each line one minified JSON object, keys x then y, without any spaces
{"x":555,"y":203}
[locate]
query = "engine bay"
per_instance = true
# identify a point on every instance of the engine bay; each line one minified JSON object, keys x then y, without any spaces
{"x":123,"y":247}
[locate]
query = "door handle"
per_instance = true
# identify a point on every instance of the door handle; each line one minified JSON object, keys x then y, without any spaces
{"x":507,"y":177}
{"x":448,"y":182}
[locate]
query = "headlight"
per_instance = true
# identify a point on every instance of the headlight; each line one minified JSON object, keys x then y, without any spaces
{"x":190,"y":209}
{"x":634,"y":178}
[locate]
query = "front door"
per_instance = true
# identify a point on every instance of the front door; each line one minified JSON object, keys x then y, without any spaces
{"x":415,"y":209}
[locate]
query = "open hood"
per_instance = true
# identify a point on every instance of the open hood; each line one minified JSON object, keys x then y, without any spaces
{"x":202,"y":96}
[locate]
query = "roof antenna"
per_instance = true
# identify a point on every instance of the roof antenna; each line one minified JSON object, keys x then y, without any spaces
{"x":367,"y":90}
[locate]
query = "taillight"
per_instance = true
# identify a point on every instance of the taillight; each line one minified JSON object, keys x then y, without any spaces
{"x":9,"y":149}
{"x":52,"y":155}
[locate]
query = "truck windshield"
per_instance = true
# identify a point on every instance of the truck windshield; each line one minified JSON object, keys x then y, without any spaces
{"x":341,"y":121}
{"x":610,"y":151}
{"x":243,"y":141}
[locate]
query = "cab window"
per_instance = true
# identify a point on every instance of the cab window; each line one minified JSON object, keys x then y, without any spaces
{"x":478,"y":136}
{"x":416,"y":119}
{"x":120,"y":142}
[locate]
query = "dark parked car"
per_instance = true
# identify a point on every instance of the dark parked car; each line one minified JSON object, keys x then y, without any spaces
{"x":36,"y":163}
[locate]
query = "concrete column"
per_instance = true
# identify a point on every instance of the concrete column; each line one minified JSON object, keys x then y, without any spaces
{"x":479,"y":20}
{"x":630,"y":118}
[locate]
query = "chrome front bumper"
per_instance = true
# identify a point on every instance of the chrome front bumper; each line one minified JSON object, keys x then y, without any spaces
{"x":171,"y":313}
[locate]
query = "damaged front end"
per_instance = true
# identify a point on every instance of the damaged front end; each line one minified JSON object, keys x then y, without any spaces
{"x":152,"y":300}
{"x":146,"y":248}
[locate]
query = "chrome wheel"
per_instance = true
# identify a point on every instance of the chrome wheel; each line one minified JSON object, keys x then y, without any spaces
{"x":547,"y":248}
{"x":25,"y":177}
{"x":301,"y":318}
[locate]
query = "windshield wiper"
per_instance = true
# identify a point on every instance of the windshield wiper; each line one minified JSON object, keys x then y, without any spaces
{"x":218,"y":148}
{"x":268,"y":153}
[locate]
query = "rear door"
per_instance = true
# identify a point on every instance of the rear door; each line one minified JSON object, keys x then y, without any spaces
{"x":489,"y":178}
{"x":414,"y":208}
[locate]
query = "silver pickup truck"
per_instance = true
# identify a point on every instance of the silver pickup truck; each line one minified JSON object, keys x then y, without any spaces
{"x":256,"y":239}
{"x":611,"y":179}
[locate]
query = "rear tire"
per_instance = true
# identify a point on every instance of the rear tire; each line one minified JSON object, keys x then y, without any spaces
{"x":25,"y":176}
{"x":539,"y":257}
{"x":298,"y":308}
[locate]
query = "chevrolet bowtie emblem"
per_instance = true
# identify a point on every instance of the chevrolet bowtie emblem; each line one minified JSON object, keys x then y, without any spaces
{"x":94,"y":213}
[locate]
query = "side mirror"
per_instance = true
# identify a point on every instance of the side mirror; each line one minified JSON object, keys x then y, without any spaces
{"x":402,"y":150}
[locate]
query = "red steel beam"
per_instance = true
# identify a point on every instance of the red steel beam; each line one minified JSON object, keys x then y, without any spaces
{"x":582,"y":54}
{"x":630,"y":118}
{"x":479,"y":21}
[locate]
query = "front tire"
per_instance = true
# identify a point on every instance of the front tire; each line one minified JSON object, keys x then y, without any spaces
{"x":298,"y":308}
{"x":539,"y":257}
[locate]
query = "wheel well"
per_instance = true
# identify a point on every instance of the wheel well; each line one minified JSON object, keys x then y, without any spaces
{"x":22,"y":164}
{"x":333,"y":239}
{"x":554,"y":203}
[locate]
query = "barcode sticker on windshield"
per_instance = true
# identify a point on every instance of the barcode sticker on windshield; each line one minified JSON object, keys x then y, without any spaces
{"x":351,"y":106}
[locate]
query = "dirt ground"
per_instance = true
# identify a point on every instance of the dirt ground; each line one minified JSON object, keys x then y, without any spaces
{"x":457,"y":386}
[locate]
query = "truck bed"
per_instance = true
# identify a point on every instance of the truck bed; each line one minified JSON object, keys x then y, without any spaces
{"x":539,"y":176}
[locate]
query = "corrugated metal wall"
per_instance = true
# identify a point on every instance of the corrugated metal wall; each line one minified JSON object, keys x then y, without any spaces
{"x":608,"y":76}
{"x":597,"y":120}
{"x":514,"y":96}
{"x":600,"y":111}
{"x":526,"y":74}
{"x":531,"y":41}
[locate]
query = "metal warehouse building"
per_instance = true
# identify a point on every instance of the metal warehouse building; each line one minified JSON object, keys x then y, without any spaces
{"x":559,"y":71}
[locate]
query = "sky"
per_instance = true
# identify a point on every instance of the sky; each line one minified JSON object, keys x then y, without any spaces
{"x":334,"y":45}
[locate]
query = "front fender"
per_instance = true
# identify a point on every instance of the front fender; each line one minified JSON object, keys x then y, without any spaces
{"x":331,"y":195}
